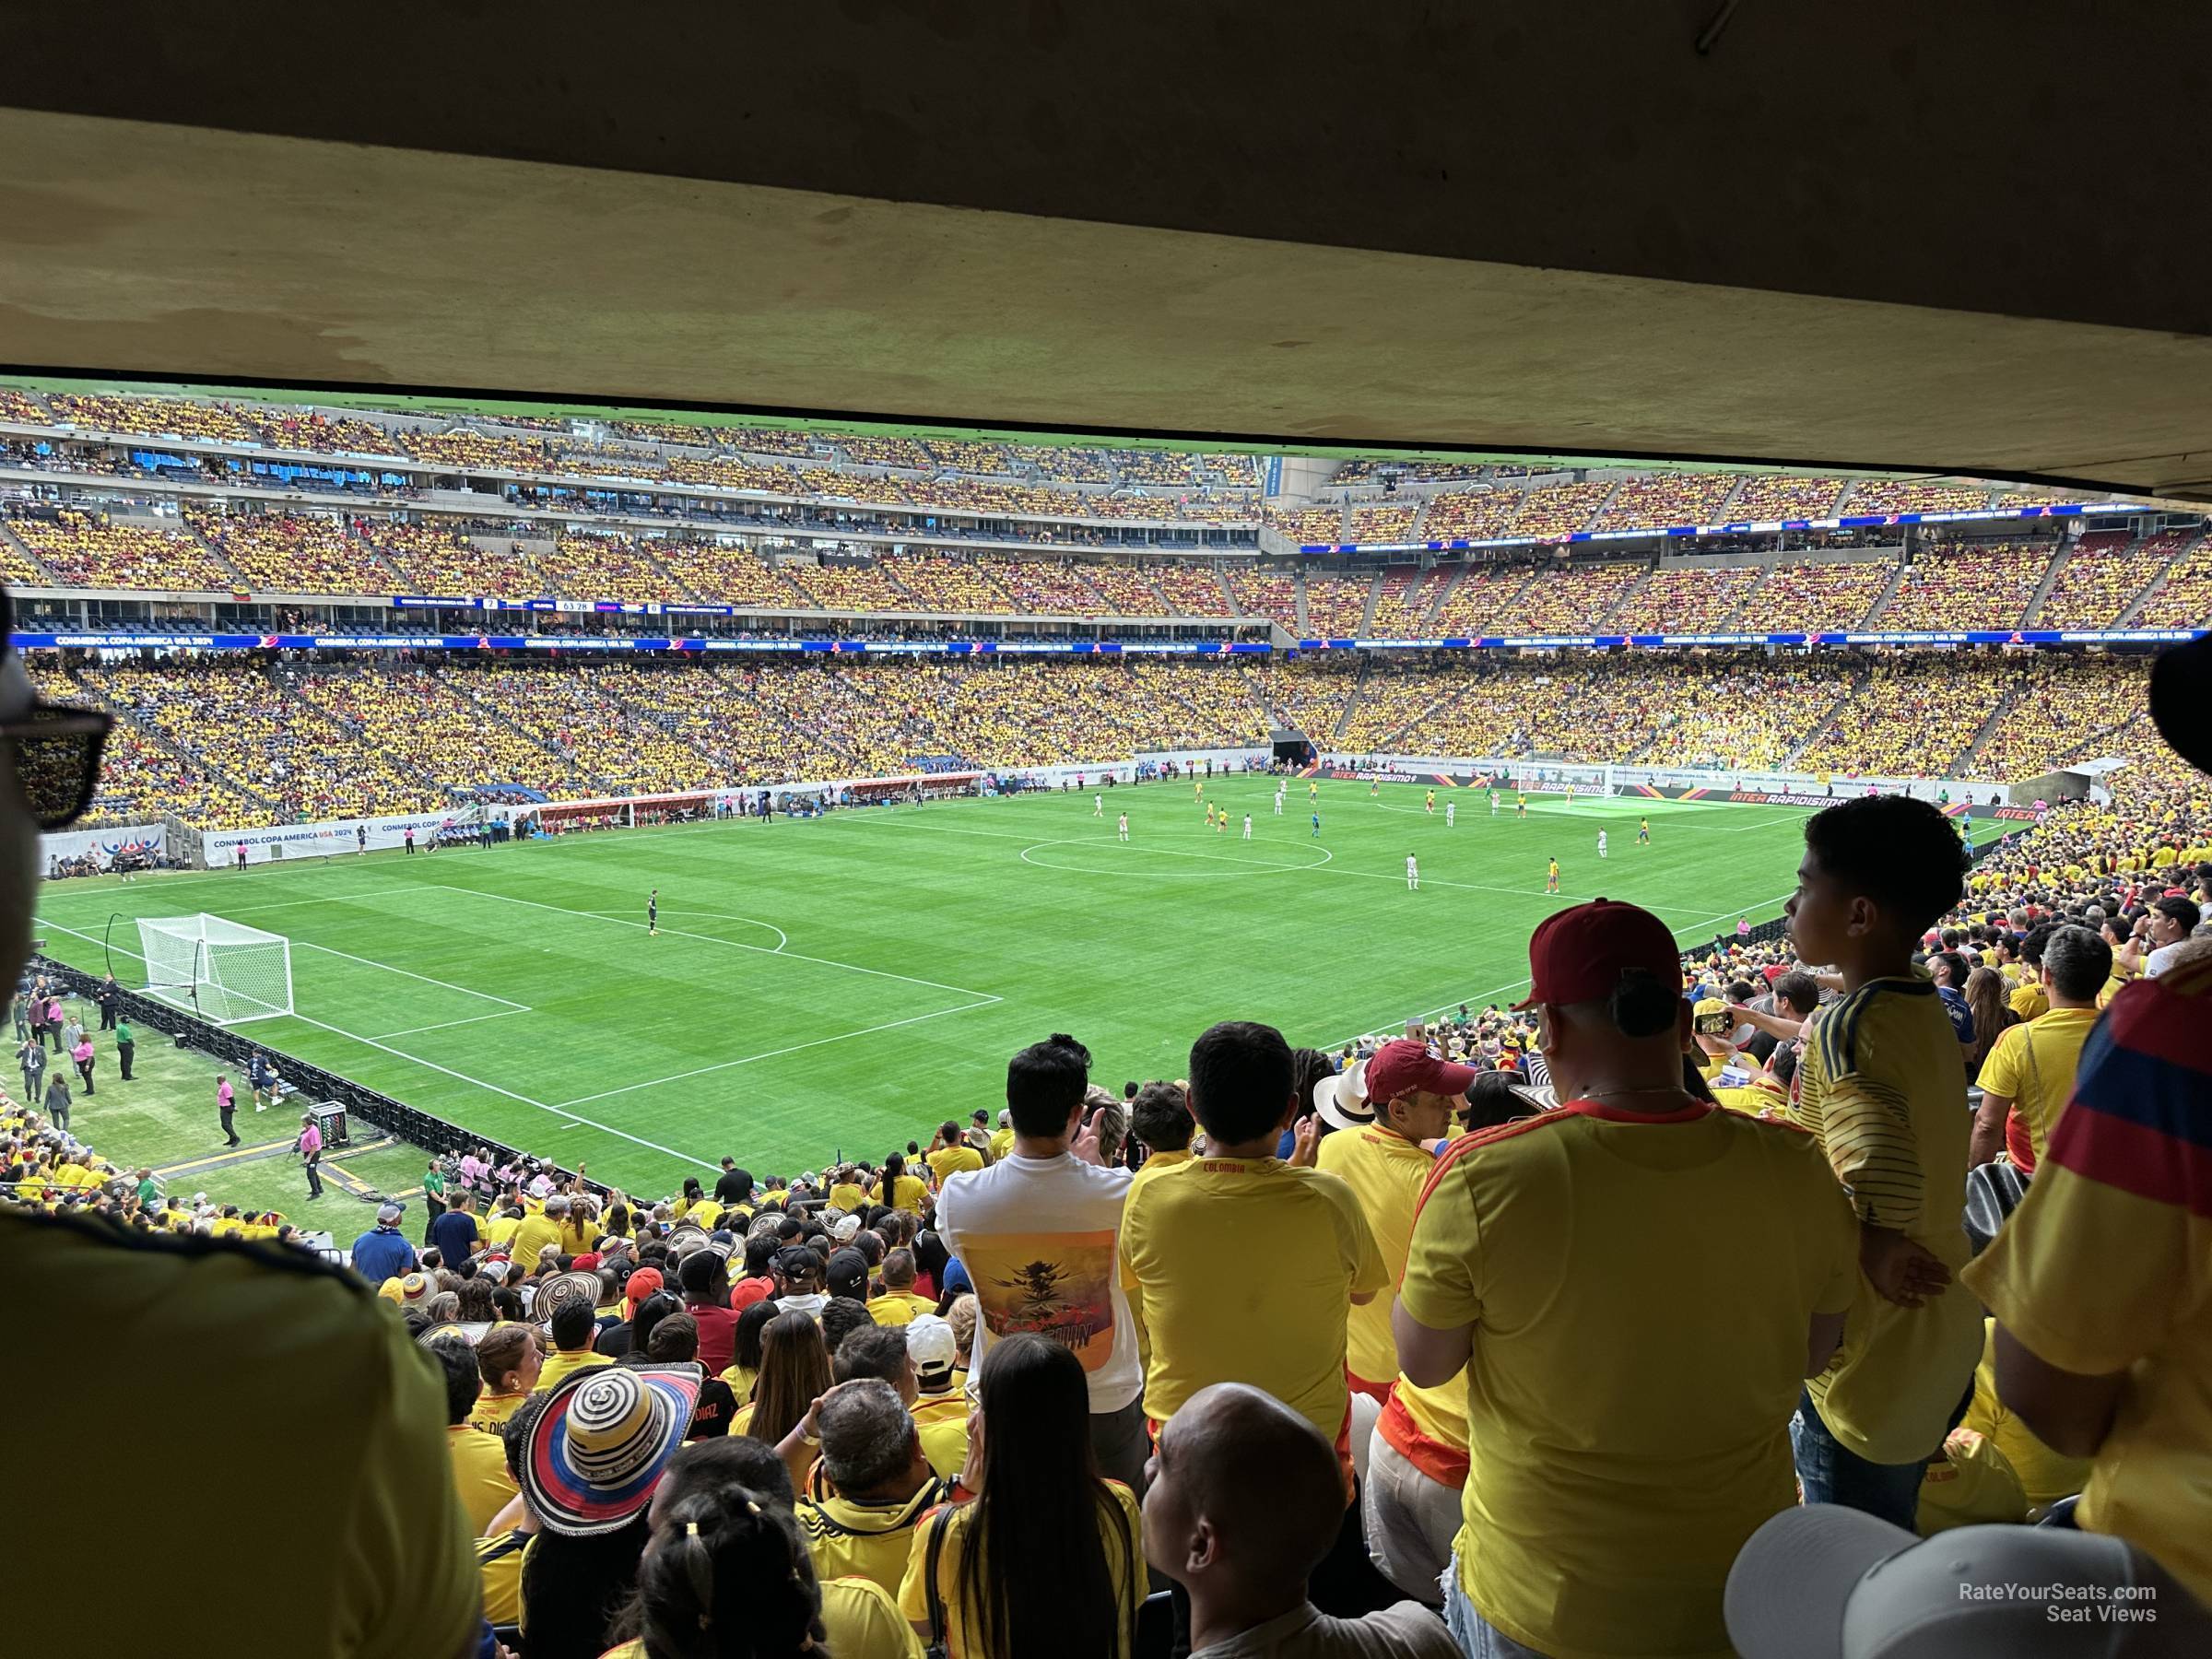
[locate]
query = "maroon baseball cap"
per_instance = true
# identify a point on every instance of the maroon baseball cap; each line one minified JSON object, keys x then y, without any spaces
{"x":1577,"y":955}
{"x":1402,"y":1065}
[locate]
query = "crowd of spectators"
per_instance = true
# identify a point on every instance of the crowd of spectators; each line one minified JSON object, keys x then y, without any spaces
{"x":2105,"y":574}
{"x":1368,"y":526}
{"x":1969,"y":584}
{"x":2059,"y":710}
{"x":1192,"y":588}
{"x":293,"y":762}
{"x":1335,"y":606}
{"x":1267,"y":593}
{"x":295,"y":553}
{"x":439,"y":559}
{"x":1906,"y":717}
{"x":1306,"y":525}
{"x":1655,"y":501}
{"x":1553,"y":511}
{"x":955,"y":584}
{"x":2184,"y":597}
{"x":1484,"y":600}
{"x":1687,"y":598}
{"x":1898,"y":495}
{"x":1683,"y":1301}
{"x":1307,"y":693}
{"x":1128,"y":590}
{"x":1575,"y":598}
{"x":1470,"y":514}
{"x":724,"y":573}
{"x":1406,"y":597}
{"x":426,"y":720}
{"x":83,"y":550}
{"x":1767,"y":496}
{"x":1829,"y":596}
{"x":607,"y":566}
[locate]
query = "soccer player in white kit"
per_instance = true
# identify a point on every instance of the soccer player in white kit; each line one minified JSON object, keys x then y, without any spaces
{"x":1122,"y":829}
{"x":1451,"y":812}
{"x":1278,"y":800}
{"x":1412,"y":874}
{"x":1097,"y":806}
{"x":1601,"y":844}
{"x":1248,"y":826}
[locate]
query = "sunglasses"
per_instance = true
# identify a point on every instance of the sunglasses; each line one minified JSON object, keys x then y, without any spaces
{"x":56,"y":754}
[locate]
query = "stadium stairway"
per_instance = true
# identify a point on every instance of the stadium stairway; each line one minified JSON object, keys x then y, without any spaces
{"x":215,"y":551}
{"x":20,"y":554}
{"x":1897,"y":578}
{"x":1828,"y":715}
{"x":1367,"y":614}
{"x":2185,"y":546}
{"x":1351,"y":701}
{"x":2005,"y":704}
{"x":2042,"y":592}
{"x":1443,"y":596}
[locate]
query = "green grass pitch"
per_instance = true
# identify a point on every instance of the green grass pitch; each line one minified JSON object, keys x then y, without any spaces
{"x":843,"y":983}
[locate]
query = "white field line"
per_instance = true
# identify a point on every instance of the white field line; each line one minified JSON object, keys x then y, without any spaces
{"x":448,"y":1024}
{"x":789,"y":955}
{"x":1333,"y":869}
{"x":771,"y":1053}
{"x":783,"y":938}
{"x":459,"y":1076}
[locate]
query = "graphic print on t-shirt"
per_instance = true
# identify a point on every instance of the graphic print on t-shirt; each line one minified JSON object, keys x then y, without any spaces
{"x":1058,"y":1285}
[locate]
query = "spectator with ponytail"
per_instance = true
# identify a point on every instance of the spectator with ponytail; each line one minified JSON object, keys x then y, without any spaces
{"x":1047,"y":1556}
{"x":721,"y":1519}
{"x":1718,"y":1248}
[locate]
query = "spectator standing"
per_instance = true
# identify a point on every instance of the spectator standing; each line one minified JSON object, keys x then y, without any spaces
{"x":1389,"y":1107}
{"x":455,"y":1233}
{"x":1243,"y":1505}
{"x":82,"y":1056}
{"x":1062,"y":1545}
{"x":1604,"y":1503}
{"x":734,"y":1187}
{"x":571,"y":1326}
{"x":706,"y":1283}
{"x":795,"y":1373}
{"x":2028,"y":1076}
{"x":225,"y":1103}
{"x":127,"y":1048}
{"x":540,"y":1227}
{"x":1160,"y":1119}
{"x":949,"y":1153}
{"x":1037,"y":1232}
{"x":31,"y":1056}
{"x":1291,"y":1242}
{"x":2104,"y":1353}
{"x":1882,"y":1086}
{"x":381,"y":1253}
{"x":310,"y":1148}
{"x":57,"y":1101}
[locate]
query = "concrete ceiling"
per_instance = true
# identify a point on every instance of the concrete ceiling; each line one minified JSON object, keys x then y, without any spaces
{"x":1880,"y":235}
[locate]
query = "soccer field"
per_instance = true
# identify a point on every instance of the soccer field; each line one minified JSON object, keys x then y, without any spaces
{"x":840,"y":985}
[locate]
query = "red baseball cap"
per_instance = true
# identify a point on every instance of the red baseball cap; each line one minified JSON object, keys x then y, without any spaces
{"x":1577,"y":955}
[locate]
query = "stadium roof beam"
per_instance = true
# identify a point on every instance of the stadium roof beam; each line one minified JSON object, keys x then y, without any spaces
{"x":1898,"y":238}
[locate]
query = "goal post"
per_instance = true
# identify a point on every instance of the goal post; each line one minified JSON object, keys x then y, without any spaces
{"x":221,"y":971}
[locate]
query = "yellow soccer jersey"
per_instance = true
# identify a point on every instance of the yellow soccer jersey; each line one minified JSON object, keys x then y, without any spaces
{"x":1883,"y":1086}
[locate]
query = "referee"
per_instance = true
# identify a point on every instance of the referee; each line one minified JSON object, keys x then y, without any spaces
{"x":653,"y":912}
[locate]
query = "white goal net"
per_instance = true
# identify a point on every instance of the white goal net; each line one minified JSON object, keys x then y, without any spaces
{"x":221,"y":971}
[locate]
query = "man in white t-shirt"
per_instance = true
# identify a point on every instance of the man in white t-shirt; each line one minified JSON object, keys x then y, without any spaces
{"x":1037,"y":1233}
{"x":1412,"y":874}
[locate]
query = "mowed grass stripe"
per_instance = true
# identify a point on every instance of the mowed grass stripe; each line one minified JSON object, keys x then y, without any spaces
{"x":711,"y":1038}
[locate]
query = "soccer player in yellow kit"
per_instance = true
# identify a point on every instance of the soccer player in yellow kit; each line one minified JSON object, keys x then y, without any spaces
{"x":1432,"y":802}
{"x":1551,"y":877}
